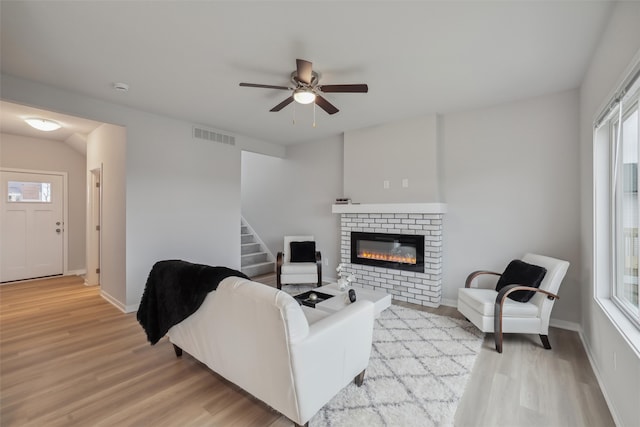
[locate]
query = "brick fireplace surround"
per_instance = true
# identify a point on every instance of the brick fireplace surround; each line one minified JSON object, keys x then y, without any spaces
{"x":423,"y":288}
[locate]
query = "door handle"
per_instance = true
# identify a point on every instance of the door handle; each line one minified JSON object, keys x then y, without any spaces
{"x":58,"y":230}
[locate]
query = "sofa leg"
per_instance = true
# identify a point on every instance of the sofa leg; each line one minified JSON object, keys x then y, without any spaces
{"x":359,"y":379}
{"x":178,"y":350}
{"x":545,"y":342}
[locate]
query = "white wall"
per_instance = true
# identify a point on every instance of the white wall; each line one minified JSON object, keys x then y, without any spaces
{"x":183,"y":199}
{"x":293,"y":195}
{"x":43,"y":154}
{"x":510,"y":181}
{"x":509,"y":175}
{"x":392,"y":152}
{"x":182,"y":195}
{"x":621,"y":386}
{"x":106,"y":148}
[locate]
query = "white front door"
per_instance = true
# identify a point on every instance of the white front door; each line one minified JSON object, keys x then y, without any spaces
{"x":32,"y":225}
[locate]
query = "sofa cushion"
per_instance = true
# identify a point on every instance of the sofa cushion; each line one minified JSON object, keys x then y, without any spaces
{"x":300,"y":268}
{"x":303,"y":251}
{"x":521,"y":273}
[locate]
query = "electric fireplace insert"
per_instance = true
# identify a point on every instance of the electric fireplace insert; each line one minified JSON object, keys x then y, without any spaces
{"x":394,"y":251}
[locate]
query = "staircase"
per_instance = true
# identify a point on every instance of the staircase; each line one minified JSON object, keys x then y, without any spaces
{"x":255,"y":258}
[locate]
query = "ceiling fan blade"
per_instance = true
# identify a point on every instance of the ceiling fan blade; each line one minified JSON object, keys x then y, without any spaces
{"x":304,"y":71}
{"x":283,"y":104}
{"x":264,"y":86}
{"x":358,"y":88}
{"x":326,"y":105}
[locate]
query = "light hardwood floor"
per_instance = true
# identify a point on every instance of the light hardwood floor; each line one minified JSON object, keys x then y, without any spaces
{"x":68,"y":357}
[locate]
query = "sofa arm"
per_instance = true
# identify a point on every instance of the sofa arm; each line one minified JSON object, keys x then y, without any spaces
{"x":334,"y":352}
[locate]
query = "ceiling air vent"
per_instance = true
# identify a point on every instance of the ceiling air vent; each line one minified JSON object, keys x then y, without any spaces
{"x":210,"y":135}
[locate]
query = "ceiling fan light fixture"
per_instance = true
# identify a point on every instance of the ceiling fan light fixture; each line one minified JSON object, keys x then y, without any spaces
{"x":304,"y":96}
{"x":45,"y":125}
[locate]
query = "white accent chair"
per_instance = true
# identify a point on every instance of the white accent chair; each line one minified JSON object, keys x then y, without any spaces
{"x":290,"y":273}
{"x":492,"y":311}
{"x":262,"y":340}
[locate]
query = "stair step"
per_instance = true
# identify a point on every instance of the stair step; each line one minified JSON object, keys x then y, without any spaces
{"x":253,"y":258}
{"x":246,"y":238}
{"x":244,"y":229}
{"x":249,"y":248}
{"x":258,"y":269}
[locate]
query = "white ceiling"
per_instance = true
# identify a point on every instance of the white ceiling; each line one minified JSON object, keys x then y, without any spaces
{"x":185,"y":58}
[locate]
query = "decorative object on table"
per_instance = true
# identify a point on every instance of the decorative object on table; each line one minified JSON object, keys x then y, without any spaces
{"x":344,"y":282}
{"x":352,"y":295}
{"x":311,"y":298}
{"x":343,"y":201}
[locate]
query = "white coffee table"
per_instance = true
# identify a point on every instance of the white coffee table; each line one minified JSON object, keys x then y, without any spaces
{"x":381,"y":300}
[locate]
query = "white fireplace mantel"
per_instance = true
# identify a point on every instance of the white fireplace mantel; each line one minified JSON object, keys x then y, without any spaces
{"x":421,"y":208}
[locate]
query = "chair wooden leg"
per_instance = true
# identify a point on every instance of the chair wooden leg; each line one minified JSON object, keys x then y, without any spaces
{"x":545,"y":342}
{"x":319,"y":270}
{"x":178,"y":350}
{"x":497,"y":328}
{"x":279,"y":261}
{"x":359,"y":379}
{"x":498,"y":339}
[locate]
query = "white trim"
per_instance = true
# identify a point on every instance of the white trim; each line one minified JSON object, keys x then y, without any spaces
{"x":423,"y":208}
{"x":565,"y":324}
{"x":603,"y":389}
{"x":131,"y":308}
{"x":449,"y":302}
{"x":80,"y":272}
{"x":113,"y":301}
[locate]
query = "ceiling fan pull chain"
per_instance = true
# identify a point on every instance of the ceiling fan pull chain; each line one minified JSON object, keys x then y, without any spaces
{"x":294,"y":113}
{"x":314,"y":114}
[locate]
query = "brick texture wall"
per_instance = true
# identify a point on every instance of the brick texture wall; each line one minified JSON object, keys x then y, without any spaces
{"x":419,"y":288}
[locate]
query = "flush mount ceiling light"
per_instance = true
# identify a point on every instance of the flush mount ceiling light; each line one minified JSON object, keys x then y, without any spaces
{"x":43,"y":124}
{"x":304,"y":96}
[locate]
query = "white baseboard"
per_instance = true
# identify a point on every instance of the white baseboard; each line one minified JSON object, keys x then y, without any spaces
{"x":564,"y":324}
{"x":80,"y":272}
{"x":449,"y":302}
{"x":122,"y":307}
{"x":113,"y":301}
{"x":596,"y":372}
{"x":132,"y":308}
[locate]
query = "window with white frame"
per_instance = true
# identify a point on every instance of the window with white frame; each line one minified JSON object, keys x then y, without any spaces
{"x":616,"y":158}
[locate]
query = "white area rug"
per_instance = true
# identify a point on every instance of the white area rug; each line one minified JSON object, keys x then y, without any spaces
{"x":420,"y":364}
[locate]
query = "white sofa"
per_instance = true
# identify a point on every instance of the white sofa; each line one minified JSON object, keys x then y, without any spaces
{"x":260,"y":339}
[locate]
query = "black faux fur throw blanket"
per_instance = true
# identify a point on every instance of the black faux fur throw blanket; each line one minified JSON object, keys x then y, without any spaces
{"x":175,"y":289}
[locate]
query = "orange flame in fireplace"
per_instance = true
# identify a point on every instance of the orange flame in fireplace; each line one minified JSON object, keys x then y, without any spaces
{"x":387,"y":257}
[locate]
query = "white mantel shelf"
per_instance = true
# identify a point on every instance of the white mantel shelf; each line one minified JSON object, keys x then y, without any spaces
{"x":422,"y":208}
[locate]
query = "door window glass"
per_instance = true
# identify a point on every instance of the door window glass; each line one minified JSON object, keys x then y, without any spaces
{"x":29,"y":192}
